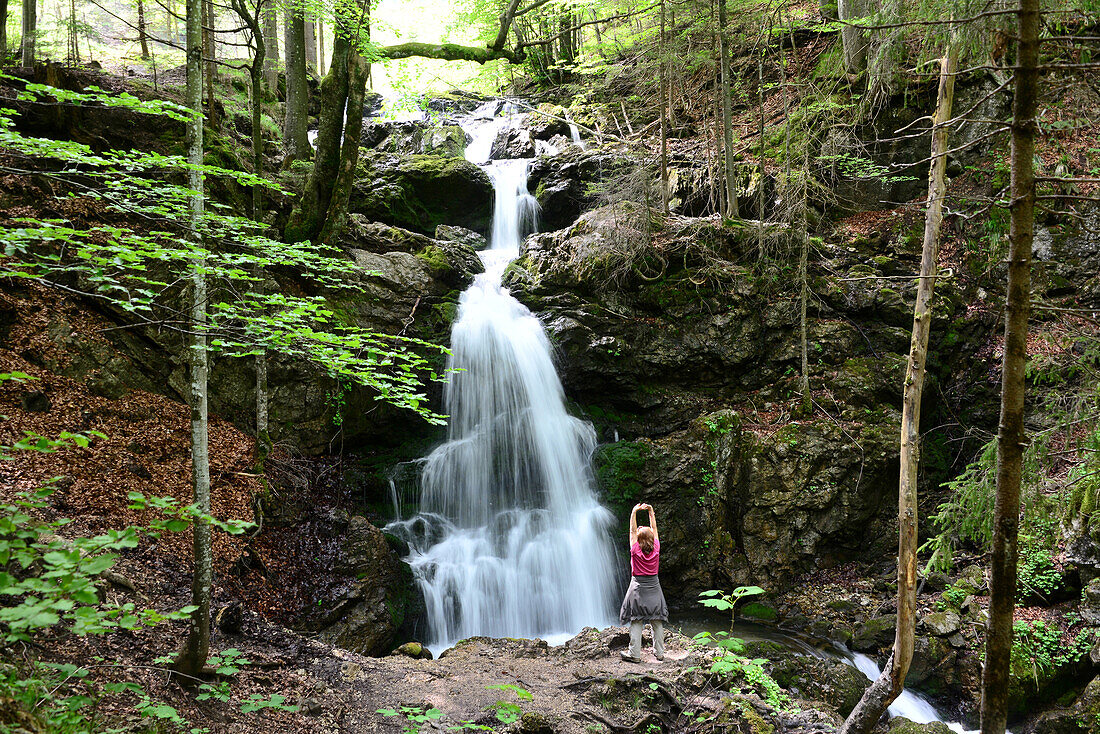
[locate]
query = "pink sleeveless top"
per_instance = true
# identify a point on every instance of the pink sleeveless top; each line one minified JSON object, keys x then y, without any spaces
{"x":645,"y":564}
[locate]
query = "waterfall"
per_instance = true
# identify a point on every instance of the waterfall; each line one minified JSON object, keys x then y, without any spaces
{"x":509,"y":540}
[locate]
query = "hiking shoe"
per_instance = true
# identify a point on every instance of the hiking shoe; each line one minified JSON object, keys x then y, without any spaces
{"x":627,"y":657}
{"x":659,"y":657}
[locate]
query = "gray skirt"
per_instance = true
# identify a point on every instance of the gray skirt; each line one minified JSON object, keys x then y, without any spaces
{"x":644,"y":600}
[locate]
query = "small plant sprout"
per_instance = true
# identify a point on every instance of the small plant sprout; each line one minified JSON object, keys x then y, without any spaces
{"x":722,"y":601}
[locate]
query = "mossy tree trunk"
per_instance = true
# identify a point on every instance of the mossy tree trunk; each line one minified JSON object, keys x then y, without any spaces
{"x":1011,"y":439}
{"x":727,"y":111}
{"x":271,"y":46}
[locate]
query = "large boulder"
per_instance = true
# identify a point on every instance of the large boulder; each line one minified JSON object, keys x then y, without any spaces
{"x":413,"y":137}
{"x":367,"y":614}
{"x":421,"y":192}
{"x":512,"y":143}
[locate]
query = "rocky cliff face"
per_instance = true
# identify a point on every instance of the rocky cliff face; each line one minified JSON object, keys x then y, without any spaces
{"x":685,"y":349}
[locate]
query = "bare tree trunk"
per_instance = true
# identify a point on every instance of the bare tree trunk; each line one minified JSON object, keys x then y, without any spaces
{"x":3,"y":27}
{"x":852,"y":38}
{"x":197,"y":647}
{"x":892,"y":680}
{"x":297,"y":100}
{"x":311,"y":44}
{"x":30,"y":30}
{"x":322,"y":66}
{"x":210,"y":52}
{"x":1011,"y":439}
{"x":143,"y":37}
{"x":663,"y":113}
{"x":727,"y":112}
{"x":271,"y":44}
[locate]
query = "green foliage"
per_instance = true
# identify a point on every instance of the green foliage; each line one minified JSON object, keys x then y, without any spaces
{"x":1038,"y":649}
{"x":415,"y":716}
{"x":135,"y":269}
{"x":730,"y":665}
{"x":619,"y":467}
{"x":723,"y":601}
{"x":508,"y":712}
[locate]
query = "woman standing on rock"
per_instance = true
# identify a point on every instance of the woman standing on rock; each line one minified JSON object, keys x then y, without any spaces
{"x":644,"y":601}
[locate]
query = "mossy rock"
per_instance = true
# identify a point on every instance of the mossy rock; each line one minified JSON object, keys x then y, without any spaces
{"x":421,"y":192}
{"x":759,"y":612}
{"x":902,"y":725}
{"x":619,"y":468}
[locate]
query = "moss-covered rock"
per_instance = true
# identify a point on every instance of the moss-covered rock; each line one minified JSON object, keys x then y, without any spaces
{"x":421,"y":192}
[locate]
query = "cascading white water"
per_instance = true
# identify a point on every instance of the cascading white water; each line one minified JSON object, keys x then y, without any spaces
{"x":509,"y":539}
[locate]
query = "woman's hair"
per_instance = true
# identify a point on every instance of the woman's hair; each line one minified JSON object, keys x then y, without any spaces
{"x":645,"y":538}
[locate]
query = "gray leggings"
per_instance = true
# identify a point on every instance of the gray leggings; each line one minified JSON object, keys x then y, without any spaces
{"x":658,"y":637}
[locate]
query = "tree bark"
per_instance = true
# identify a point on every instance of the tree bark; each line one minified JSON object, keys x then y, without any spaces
{"x":30,"y":30}
{"x":892,"y":680}
{"x":662,"y":111}
{"x":197,"y":646}
{"x":853,"y":39}
{"x":357,"y":74}
{"x":727,"y":112}
{"x":3,"y":27}
{"x":311,"y":44}
{"x":446,"y":52}
{"x":143,"y":37}
{"x":271,"y":46}
{"x":210,"y":51}
{"x":297,"y":91}
{"x":322,"y":67}
{"x":1011,"y":439}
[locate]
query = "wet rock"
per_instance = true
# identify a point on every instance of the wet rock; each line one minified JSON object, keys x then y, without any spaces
{"x":829,"y":681}
{"x":366,"y":615}
{"x":420,"y":192}
{"x":512,"y":143}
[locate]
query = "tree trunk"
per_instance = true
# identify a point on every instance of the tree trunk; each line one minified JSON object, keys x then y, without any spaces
{"x":143,"y":37}
{"x":3,"y":28}
{"x":308,"y":219}
{"x":297,"y":91}
{"x":357,"y":74}
{"x":256,"y":76}
{"x":1011,"y":440}
{"x":210,"y":51}
{"x":853,"y":39}
{"x":197,"y":647}
{"x":892,"y":680}
{"x":30,"y":30}
{"x":311,"y":44}
{"x":271,"y":45}
{"x":727,"y":112}
{"x":662,"y":111}
{"x":322,"y":67}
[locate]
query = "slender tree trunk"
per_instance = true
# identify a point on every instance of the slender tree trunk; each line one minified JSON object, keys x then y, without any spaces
{"x":30,"y":30}
{"x":256,"y":76}
{"x":197,"y":647}
{"x":271,"y":46}
{"x":311,"y":44}
{"x":143,"y":37}
{"x":663,"y":113}
{"x":760,"y":157}
{"x":322,"y":66}
{"x":1011,"y":439}
{"x":210,"y":52}
{"x":297,"y":91}
{"x":727,"y":112}
{"x":3,"y":27}
{"x":890,"y":684}
{"x":853,"y":39}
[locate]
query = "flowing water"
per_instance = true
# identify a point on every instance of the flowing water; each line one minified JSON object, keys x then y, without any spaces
{"x":508,"y":540}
